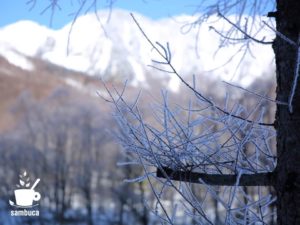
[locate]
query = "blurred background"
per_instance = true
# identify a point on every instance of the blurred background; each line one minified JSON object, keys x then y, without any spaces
{"x":54,"y":123}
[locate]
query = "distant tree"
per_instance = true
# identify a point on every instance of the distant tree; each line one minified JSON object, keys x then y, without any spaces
{"x":66,"y":143}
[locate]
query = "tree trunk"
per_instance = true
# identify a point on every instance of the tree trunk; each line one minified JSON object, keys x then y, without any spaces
{"x":89,"y":207}
{"x":287,"y":123}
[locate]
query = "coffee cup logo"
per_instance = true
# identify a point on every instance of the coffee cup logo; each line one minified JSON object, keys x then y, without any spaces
{"x":25,"y":195}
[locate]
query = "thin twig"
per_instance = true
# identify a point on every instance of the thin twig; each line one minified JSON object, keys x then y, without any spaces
{"x":296,"y":76}
{"x":281,"y":35}
{"x":256,"y":94}
{"x":247,"y":36}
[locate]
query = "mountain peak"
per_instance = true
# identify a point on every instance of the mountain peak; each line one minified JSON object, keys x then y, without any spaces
{"x":109,"y":44}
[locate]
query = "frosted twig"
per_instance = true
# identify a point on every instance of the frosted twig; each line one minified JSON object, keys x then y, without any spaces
{"x":296,"y":76}
{"x":281,"y":35}
{"x":247,"y":36}
{"x":256,"y":94}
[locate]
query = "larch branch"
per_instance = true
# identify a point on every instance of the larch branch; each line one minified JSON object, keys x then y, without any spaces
{"x":258,"y":179}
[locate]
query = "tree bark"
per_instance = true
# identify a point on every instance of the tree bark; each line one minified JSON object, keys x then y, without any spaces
{"x":287,"y":123}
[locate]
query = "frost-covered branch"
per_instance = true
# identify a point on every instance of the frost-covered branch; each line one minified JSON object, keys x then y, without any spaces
{"x":199,"y":146}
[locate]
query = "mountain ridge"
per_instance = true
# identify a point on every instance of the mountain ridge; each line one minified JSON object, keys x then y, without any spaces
{"x":116,"y":48}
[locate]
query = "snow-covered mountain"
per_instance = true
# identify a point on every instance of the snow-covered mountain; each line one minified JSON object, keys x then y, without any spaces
{"x":116,"y":48}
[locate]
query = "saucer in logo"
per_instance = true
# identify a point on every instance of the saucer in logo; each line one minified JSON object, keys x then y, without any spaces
{"x":25,"y":195}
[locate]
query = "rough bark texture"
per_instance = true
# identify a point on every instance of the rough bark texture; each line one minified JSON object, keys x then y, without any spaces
{"x":287,"y":124}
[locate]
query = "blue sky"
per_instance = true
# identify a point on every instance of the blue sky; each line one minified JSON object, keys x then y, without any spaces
{"x":15,"y":10}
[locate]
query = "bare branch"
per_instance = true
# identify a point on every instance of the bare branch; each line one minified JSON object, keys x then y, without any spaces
{"x":258,"y":179}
